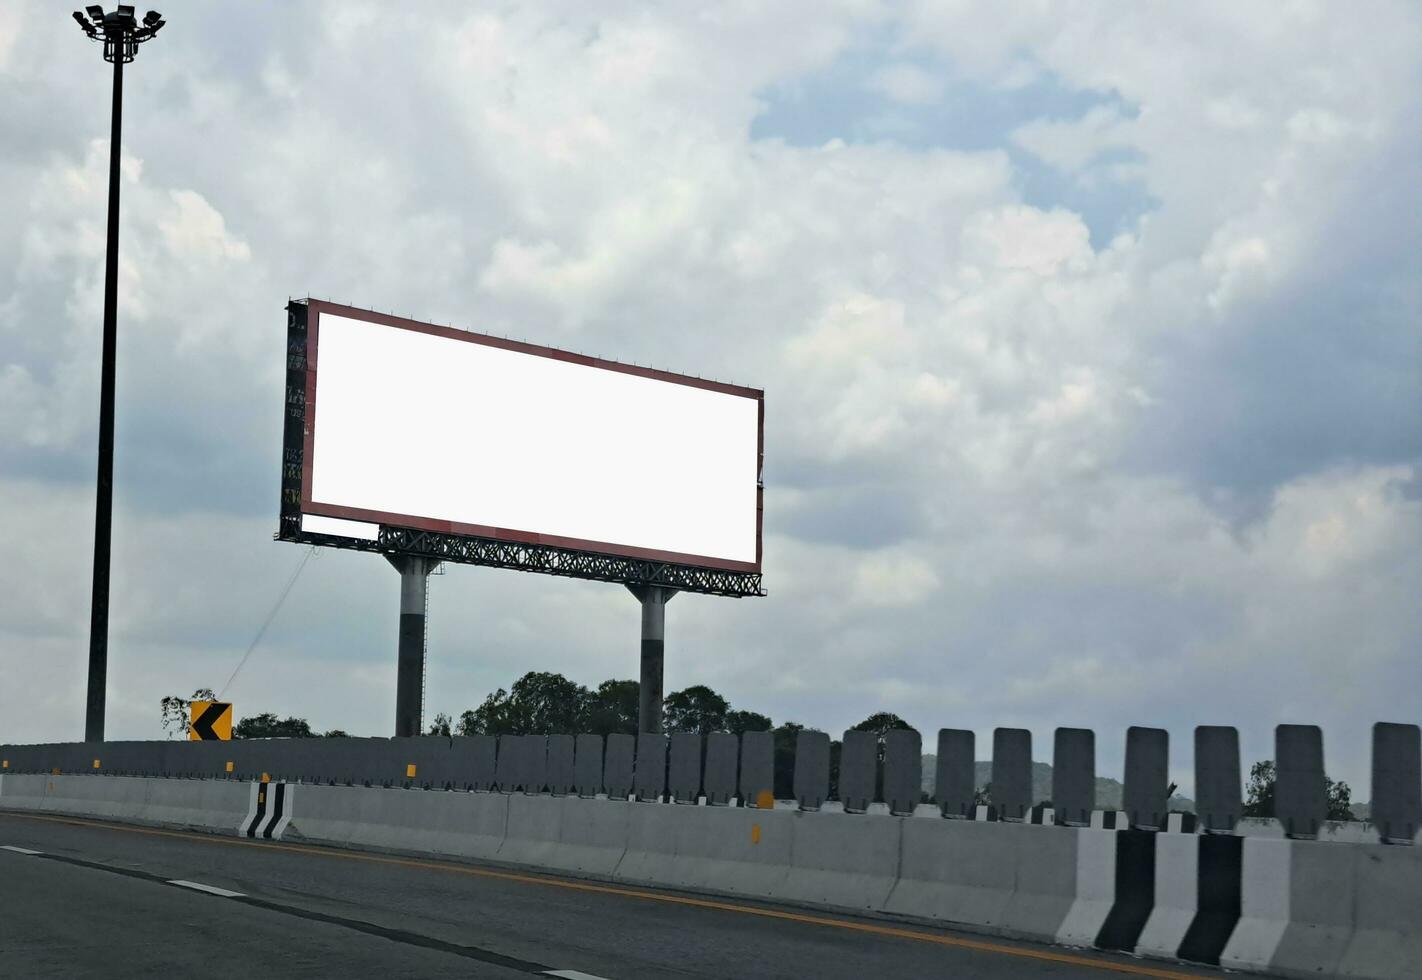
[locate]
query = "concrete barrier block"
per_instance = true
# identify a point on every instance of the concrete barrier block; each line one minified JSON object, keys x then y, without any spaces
{"x":955,"y":871}
{"x":560,"y":764}
{"x":617,"y":765}
{"x":722,"y":749}
{"x":1300,"y":787}
{"x":744,"y":851}
{"x":1074,"y":776}
{"x":684,"y":770}
{"x":903,"y":770}
{"x":536,"y":763}
{"x":22,"y":790}
{"x":1322,"y":895}
{"x":593,"y":835}
{"x":1146,"y":790}
{"x":1095,"y":887}
{"x":849,"y":863}
{"x":1045,"y":870}
{"x":1397,"y":782}
{"x":587,"y":765}
{"x":1264,"y":904}
{"x":473,"y":758}
{"x":757,"y":783}
{"x":1387,"y":934}
{"x":812,"y":765}
{"x":954,"y":785}
{"x":535,"y":825}
{"x":649,"y":777}
{"x":1176,"y":896}
{"x":422,"y":762}
{"x":208,"y":804}
{"x":468,"y":825}
{"x":858,"y":768}
{"x":1218,"y":801}
{"x":1011,"y":793}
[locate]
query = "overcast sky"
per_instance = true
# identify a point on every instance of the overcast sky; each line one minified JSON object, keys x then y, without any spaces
{"x":1091,"y":336}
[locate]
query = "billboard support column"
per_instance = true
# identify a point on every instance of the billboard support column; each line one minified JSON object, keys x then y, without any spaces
{"x":410,"y":675}
{"x":654,"y":599}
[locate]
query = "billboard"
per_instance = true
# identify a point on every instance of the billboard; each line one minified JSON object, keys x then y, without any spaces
{"x":415,"y":438}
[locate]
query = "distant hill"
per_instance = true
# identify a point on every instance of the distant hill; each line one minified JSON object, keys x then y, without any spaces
{"x":1108,"y":791}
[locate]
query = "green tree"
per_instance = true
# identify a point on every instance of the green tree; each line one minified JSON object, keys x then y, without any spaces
{"x":335,"y":733}
{"x":176,"y":718}
{"x":266,"y":725}
{"x":697,"y":709}
{"x":441,"y":724}
{"x":539,"y":702}
{"x":1259,"y":799}
{"x":740,"y":722}
{"x":612,"y":708}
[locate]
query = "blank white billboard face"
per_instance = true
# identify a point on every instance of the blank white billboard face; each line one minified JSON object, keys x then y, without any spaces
{"x":426,"y":427}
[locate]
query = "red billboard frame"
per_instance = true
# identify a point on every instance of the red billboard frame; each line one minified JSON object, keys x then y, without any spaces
{"x":522,"y":536}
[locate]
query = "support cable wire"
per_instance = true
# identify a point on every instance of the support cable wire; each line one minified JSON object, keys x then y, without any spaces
{"x":276,"y":608}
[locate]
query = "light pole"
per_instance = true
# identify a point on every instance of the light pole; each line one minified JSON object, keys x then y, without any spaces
{"x":121,"y":34}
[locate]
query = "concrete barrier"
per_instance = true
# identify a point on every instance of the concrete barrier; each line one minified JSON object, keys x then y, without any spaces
{"x":593,"y":835}
{"x":1095,"y":887}
{"x":587,"y":765}
{"x":469,"y":825}
{"x":533,"y":831}
{"x":1258,"y":904}
{"x":1386,"y":940}
{"x":1264,"y":904}
{"x":1044,"y":862}
{"x":852,"y":863}
{"x":954,"y":871}
{"x":1177,"y":897}
{"x":722,"y":749}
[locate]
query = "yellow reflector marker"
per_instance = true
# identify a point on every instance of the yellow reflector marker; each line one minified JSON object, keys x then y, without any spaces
{"x":6,"y":765}
{"x":96,"y":763}
{"x":410,"y":771}
{"x":55,"y":772}
{"x":765,"y":800}
{"x":755,"y":833}
{"x":229,"y":767}
{"x":266,"y":778}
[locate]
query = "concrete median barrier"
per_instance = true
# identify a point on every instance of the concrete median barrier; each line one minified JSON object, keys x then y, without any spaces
{"x":852,"y":862}
{"x":955,"y":871}
{"x":593,"y":835}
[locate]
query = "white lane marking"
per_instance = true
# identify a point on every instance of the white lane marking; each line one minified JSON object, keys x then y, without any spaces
{"x":210,"y":889}
{"x":572,"y":975}
{"x":19,"y":850}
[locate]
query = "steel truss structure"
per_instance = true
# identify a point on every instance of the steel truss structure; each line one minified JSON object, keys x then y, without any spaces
{"x":471,"y":549}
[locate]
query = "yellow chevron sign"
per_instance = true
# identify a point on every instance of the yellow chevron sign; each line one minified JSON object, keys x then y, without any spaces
{"x":211,"y":721}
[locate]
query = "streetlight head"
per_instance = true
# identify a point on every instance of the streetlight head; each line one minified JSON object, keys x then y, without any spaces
{"x":152,"y":18}
{"x":95,"y":12}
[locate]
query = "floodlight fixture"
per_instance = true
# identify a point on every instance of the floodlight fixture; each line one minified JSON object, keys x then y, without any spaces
{"x":119,"y":30}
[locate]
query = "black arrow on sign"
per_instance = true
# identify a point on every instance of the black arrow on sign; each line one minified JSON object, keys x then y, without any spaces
{"x":203,"y":723}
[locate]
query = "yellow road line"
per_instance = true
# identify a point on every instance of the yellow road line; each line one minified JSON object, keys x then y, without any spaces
{"x":1051,"y":956}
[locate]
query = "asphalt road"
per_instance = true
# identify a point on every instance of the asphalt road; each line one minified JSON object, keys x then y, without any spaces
{"x":107,"y":900}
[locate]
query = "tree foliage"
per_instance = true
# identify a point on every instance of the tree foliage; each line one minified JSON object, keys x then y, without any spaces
{"x":1259,"y":799}
{"x":441,"y":725}
{"x":740,"y":722}
{"x":612,"y":708}
{"x":267,"y":725}
{"x":176,"y":718}
{"x":697,"y":709}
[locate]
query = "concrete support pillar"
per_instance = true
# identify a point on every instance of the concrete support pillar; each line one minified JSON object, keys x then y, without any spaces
{"x":654,"y":599}
{"x":410,"y":675}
